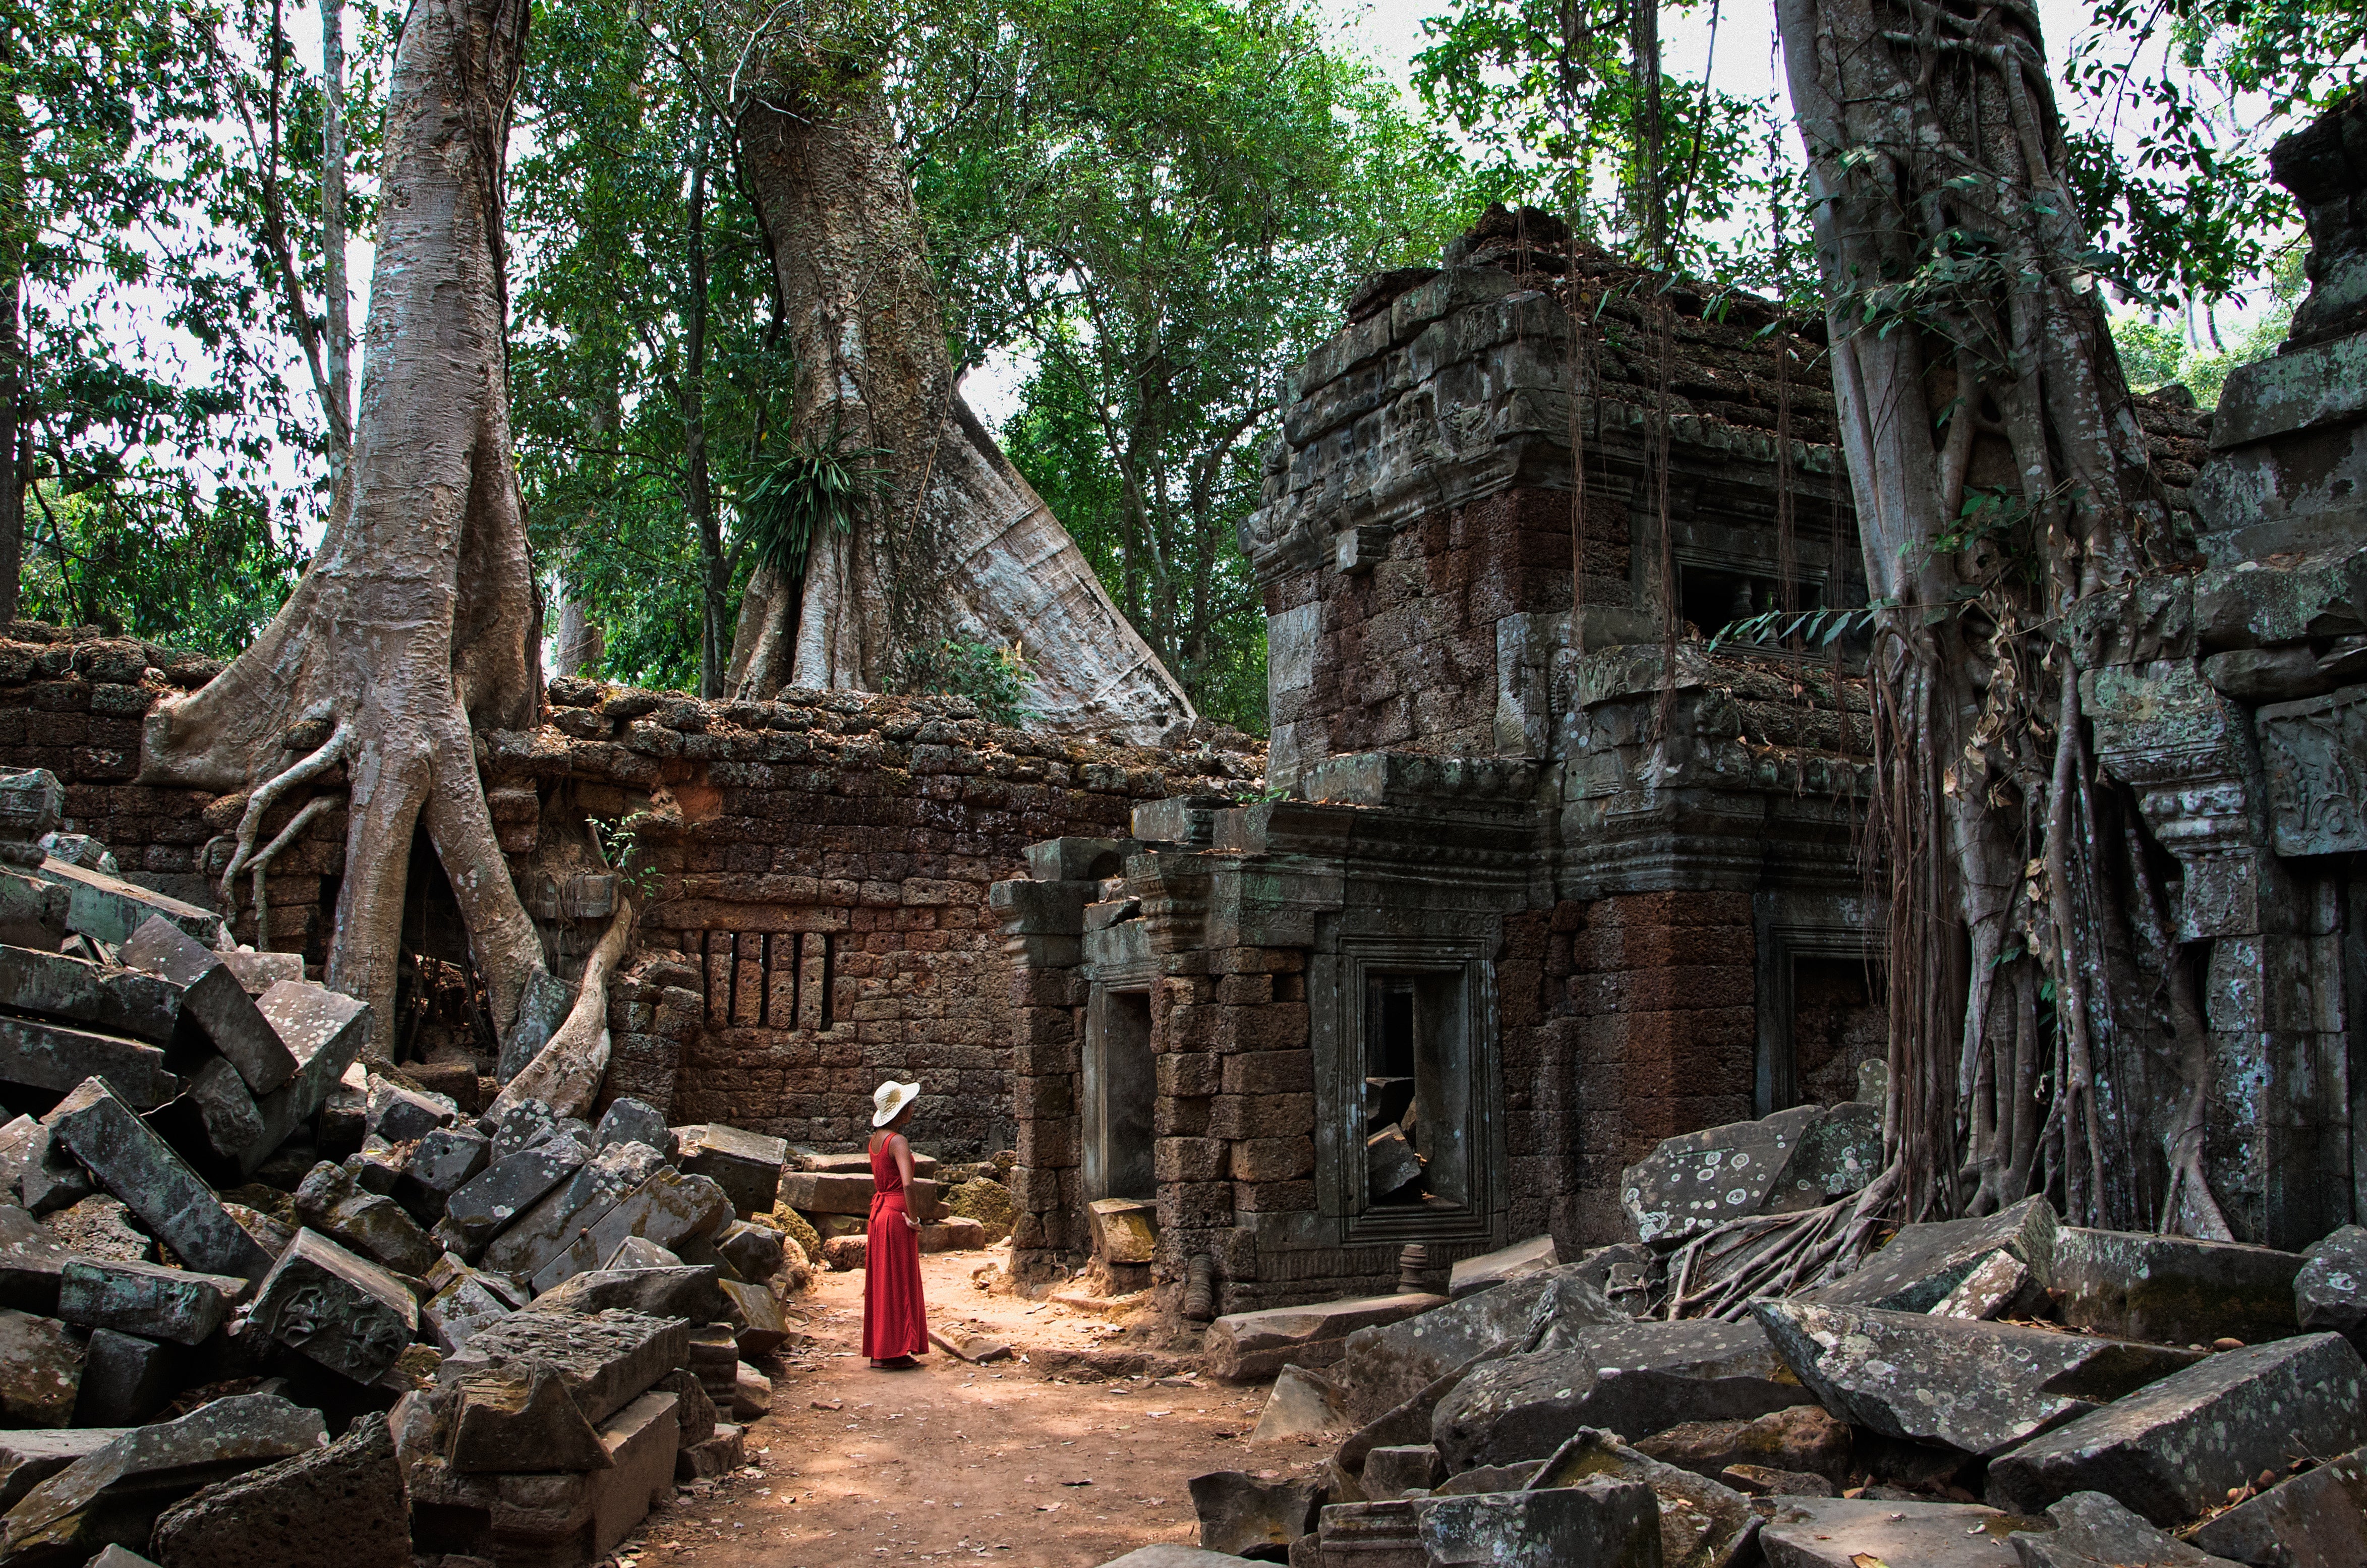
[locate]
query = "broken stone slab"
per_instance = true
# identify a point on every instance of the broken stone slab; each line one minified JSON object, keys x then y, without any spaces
{"x":115,"y":1494}
{"x":16,"y":1137}
{"x":1838,"y":1154}
{"x":403,"y":1116}
{"x":520,"y":1419}
{"x":131,"y":1162}
{"x":1245,"y":1345}
{"x":1125,"y":1230}
{"x":754,"y":1251}
{"x":2001,"y":1285}
{"x":1918,"y":1268}
{"x":41,"y":1370}
{"x":38,"y":1054}
{"x":1387,"y":1364}
{"x":341,"y":1506}
{"x":1390,"y":1163}
{"x":1180,"y":1557}
{"x":519,"y":1126}
{"x":631,"y":1121}
{"x":2093,"y":1531}
{"x":1473,"y":1275}
{"x":1407,"y":1467}
{"x":146,"y":1299}
{"x":2331,"y":1289}
{"x":1978,"y":1387}
{"x":2173,"y":1449}
{"x":1804,"y":1439}
{"x":685,"y":1290}
{"x":509,"y":1187}
{"x":110,"y":910}
{"x":258,"y":972}
{"x":596,"y":1186}
{"x":446,"y":1160}
{"x":556,"y":1518}
{"x":323,"y":1030}
{"x":1700,"y":1181}
{"x":227,"y":1114}
{"x":1238,"y":1513}
{"x":605,"y":1360}
{"x":1846,"y":1533}
{"x":1408,"y":1421}
{"x":1759,"y":1481}
{"x":101,"y":1227}
{"x":747,"y":1166}
{"x":125,"y":1379}
{"x":2173,"y":1289}
{"x":669,"y":1208}
{"x":755,"y":1316}
{"x":826,"y":1192}
{"x":333,"y":1202}
{"x":1301,"y":1403}
{"x":340,"y":1310}
{"x":2316,"y":1519}
{"x":51,"y":1179}
{"x":1704,"y":1523}
{"x":32,"y":1263}
{"x":459,"y":1309}
{"x":120,"y":1557}
{"x":1597,"y":1521}
{"x":853,"y":1163}
{"x":1633,"y":1379}
{"x":75,"y":990}
{"x":720,"y":1452}
{"x":29,"y":1458}
{"x":751,"y":1392}
{"x":31,"y":800}
{"x":213,"y":998}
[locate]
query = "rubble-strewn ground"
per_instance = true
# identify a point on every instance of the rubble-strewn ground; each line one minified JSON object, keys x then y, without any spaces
{"x":958,"y":1462}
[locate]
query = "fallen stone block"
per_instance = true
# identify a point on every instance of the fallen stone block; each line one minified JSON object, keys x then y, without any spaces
{"x":1978,"y":1387}
{"x":718,"y":1454}
{"x":324,"y":1030}
{"x":403,"y":1116}
{"x":1390,"y":1163}
{"x":1794,"y":1159}
{"x":213,"y":998}
{"x":846,"y":1254}
{"x":605,"y":1360}
{"x":1394,"y":1471}
{"x":520,"y":1419}
{"x":953,"y":1235}
{"x":75,"y":990}
{"x":693,"y":1408}
{"x":1473,"y":1275}
{"x":446,"y":1160}
{"x":976,"y":1349}
{"x":341,"y":1506}
{"x":1125,"y":1230}
{"x":752,"y":1393}
{"x":342,"y":1311}
{"x":1408,"y":1421}
{"x":1387,"y":1364}
{"x":827,"y":1192}
{"x":110,"y":910}
{"x":715,"y":1362}
{"x":31,"y":800}
{"x":32,"y":1263}
{"x":1301,"y":1403}
{"x":146,"y":1299}
{"x":267,"y":1232}
{"x":1598,"y":1520}
{"x":2174,"y":1448}
{"x":986,"y":1201}
{"x":752,"y":1250}
{"x":41,"y":1370}
{"x":258,"y":972}
{"x":1759,"y":1481}
{"x":755,"y":1316}
{"x":596,"y":1186}
{"x":1245,"y":1345}
{"x":556,"y":1518}
{"x":1918,"y":1268}
{"x":521,"y":1126}
{"x":1845,"y":1532}
{"x":2001,"y":1285}
{"x":2316,"y":1519}
{"x":101,"y":1227}
{"x":1181,"y":1557}
{"x":32,"y":911}
{"x":1633,"y":1379}
{"x":639,"y":1252}
{"x":747,"y":1166}
{"x":131,"y":1162}
{"x":42,"y":1055}
{"x":685,"y":1290}
{"x":507,"y":1188}
{"x":668,"y":1208}
{"x":29,"y":1458}
{"x":2173,"y":1289}
{"x":1384,"y":1534}
{"x":2093,"y":1531}
{"x":115,"y":1494}
{"x":1704,"y":1523}
{"x":51,"y":1179}
{"x":631,"y":1121}
{"x":125,"y":1379}
{"x":331,"y":1201}
{"x":228,"y":1116}
{"x":459,"y":1309}
{"x":1238,"y":1513}
{"x":1804,"y":1438}
{"x":2330,"y":1290}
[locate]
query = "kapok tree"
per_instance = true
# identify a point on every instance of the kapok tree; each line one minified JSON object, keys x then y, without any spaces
{"x":417,"y":620}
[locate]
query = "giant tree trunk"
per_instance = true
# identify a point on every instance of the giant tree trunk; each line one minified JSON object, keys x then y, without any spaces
{"x":1999,"y":476}
{"x":955,"y":542}
{"x":417,"y":618}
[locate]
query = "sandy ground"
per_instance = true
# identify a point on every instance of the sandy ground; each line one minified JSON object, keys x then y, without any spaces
{"x":1045,"y":1462}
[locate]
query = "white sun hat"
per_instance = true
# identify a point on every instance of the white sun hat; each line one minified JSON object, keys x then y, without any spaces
{"x":887,"y":1101}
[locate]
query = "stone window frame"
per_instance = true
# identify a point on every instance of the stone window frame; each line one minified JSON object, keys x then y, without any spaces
{"x":1135,"y":979}
{"x":1775,"y":1064}
{"x":1337,"y":1039}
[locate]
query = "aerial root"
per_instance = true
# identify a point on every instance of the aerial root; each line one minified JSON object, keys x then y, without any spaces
{"x":250,"y":824}
{"x":255,"y":867}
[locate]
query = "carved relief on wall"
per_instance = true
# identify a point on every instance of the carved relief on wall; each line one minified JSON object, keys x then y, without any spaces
{"x":2315,"y":753}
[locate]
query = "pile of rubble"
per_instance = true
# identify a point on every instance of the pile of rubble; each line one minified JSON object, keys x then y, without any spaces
{"x":525,"y":1326}
{"x":1978,"y":1393}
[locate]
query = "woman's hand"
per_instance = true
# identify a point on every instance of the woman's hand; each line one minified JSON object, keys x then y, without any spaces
{"x":912,"y":1222}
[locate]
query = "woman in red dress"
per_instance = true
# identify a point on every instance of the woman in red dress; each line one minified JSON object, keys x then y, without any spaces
{"x":895,"y":1320}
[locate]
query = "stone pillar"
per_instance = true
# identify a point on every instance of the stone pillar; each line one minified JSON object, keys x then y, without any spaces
{"x":1043,"y":927}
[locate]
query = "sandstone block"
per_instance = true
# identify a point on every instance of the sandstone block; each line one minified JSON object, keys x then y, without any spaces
{"x":342,"y":1311}
{"x":1841,"y":1532}
{"x":2316,"y":1519}
{"x":341,"y":1506}
{"x":32,"y":1263}
{"x":1919,"y":1266}
{"x":333,"y":1202}
{"x":145,"y":1299}
{"x":108,"y":908}
{"x":1245,"y":1345}
{"x":131,"y":1162}
{"x":519,"y":1419}
{"x":76,"y":991}
{"x":125,"y":1379}
{"x":631,"y":1121}
{"x":1599,"y":1520}
{"x":41,"y":1370}
{"x":28,"y":1458}
{"x":689,"y":1292}
{"x":1804,"y":1438}
{"x":2173,"y":1289}
{"x":446,"y":1160}
{"x":212,"y":995}
{"x":747,"y":1166}
{"x":2331,"y":1289}
{"x":460,"y":1308}
{"x":605,"y":1360}
{"x":38,"y":1054}
{"x":481,"y":1207}
{"x":2093,"y":1531}
{"x":594,"y":1188}
{"x":1388,"y":1363}
{"x":1472,"y":1275}
{"x":1239,"y":1512}
{"x":668,"y":1208}
{"x":1702,"y":1523}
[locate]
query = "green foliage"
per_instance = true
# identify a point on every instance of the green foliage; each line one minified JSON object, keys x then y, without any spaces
{"x":993,"y":677}
{"x":620,"y":845}
{"x":2156,"y":352}
{"x":196,"y":573}
{"x":819,"y":485}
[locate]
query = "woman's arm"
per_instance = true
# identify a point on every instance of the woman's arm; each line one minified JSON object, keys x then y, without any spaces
{"x":902,"y":1151}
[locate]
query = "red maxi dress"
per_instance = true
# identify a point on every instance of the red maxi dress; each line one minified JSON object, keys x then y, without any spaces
{"x":895,"y":1319}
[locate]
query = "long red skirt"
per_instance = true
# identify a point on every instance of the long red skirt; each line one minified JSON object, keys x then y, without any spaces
{"x":895,"y":1319}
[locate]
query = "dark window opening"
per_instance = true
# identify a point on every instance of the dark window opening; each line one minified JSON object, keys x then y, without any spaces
{"x":1418,"y":1089}
{"x":1839,"y":1022}
{"x":1714,"y":597}
{"x":1121,"y":1088}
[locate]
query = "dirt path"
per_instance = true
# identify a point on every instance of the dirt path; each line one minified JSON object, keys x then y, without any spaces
{"x":1013,"y":1463}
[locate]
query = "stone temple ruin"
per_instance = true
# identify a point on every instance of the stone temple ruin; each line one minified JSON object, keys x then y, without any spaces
{"x":1537,"y":932}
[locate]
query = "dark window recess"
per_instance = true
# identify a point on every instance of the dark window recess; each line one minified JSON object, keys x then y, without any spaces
{"x":769,"y":980}
{"x":1417,"y":1087}
{"x":1121,"y":1088}
{"x":1839,"y":1021}
{"x":1715,"y":597}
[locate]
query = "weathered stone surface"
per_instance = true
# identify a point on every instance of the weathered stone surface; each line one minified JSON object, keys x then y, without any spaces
{"x":751,"y":1392}
{"x":342,"y":1311}
{"x":258,"y":972}
{"x":1598,"y":1520}
{"x":507,"y":1188}
{"x":110,"y":910}
{"x":1473,"y":1275}
{"x":30,"y":1263}
{"x":41,"y":1370}
{"x":2173,"y":1449}
{"x":668,"y":1208}
{"x":213,"y":998}
{"x":75,"y":990}
{"x":121,"y":1557}
{"x":1919,"y":1266}
{"x":2173,"y":1289}
{"x":29,"y":1458}
{"x":458,"y":1309}
{"x":752,"y":1250}
{"x":2329,"y":1290}
{"x":520,"y":1419}
{"x":605,"y":1360}
{"x":446,"y":1160}
{"x":51,"y":1179}
{"x":1633,"y":1379}
{"x":2316,"y":1519}
{"x":2001,"y":1285}
{"x":1704,"y":1523}
{"x":639,"y":1252}
{"x":1301,"y":1403}
{"x":1390,"y":1163}
{"x":131,"y":1161}
{"x":332,"y":1202}
{"x":2093,"y":1531}
{"x":42,"y":1055}
{"x":688,"y":1291}
{"x":718,"y":1454}
{"x":1174,"y":1557}
{"x":1980,"y":1387}
{"x":1841,"y":1532}
{"x":324,"y":1030}
{"x":747,"y":1166}
{"x":403,"y":1116}
{"x":557,"y":1518}
{"x":1125,"y":1230}
{"x":596,"y":1186}
{"x":986,"y":1201}
{"x":101,"y":1227}
{"x":631,"y":1121}
{"x":1239,"y":1513}
{"x":755,"y":1316}
{"x":1393,"y":1471}
{"x":1246,"y":1344}
{"x":827,"y":1192}
{"x":125,"y":1379}
{"x":1805,"y":1437}
{"x":1387,"y":1364}
{"x":1700,"y":1181}
{"x":226,"y":1109}
{"x":115,"y":1494}
{"x":146,"y":1299}
{"x":342,"y":1506}
{"x":1759,"y":1481}
{"x":521,"y":1126}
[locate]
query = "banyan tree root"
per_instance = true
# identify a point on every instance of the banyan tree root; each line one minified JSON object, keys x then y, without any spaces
{"x":565,"y":1074}
{"x":1720,"y":1273}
